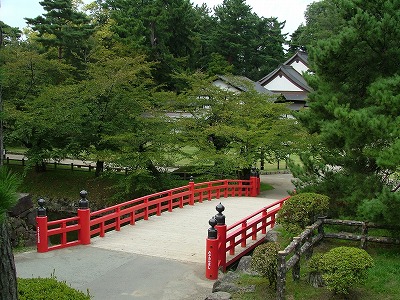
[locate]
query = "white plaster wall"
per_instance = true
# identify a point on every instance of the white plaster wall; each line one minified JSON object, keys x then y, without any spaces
{"x":299,"y":67}
{"x":282,"y":84}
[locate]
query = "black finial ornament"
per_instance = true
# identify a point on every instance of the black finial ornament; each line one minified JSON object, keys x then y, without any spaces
{"x":253,"y":171}
{"x":83,"y":203}
{"x":212,"y":232}
{"x":191,"y":179}
{"x":41,"y":211}
{"x":219,"y":217}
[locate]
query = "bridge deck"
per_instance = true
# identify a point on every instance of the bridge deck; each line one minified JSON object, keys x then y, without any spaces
{"x":180,"y":234}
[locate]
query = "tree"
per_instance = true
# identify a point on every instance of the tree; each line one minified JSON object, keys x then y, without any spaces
{"x":117,"y":107}
{"x":8,"y":196}
{"x":323,"y":20}
{"x":253,"y":45}
{"x":162,"y":30}
{"x":354,"y":108}
{"x":63,"y":28}
{"x":8,"y":36}
{"x":27,"y":85}
{"x":228,"y":129}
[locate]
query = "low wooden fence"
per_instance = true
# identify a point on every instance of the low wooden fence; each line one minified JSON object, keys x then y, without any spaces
{"x":73,"y":166}
{"x":290,"y":257}
{"x":80,"y":229}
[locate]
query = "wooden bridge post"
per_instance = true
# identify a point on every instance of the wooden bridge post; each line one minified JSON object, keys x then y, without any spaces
{"x":212,"y":251}
{"x":191,"y":189}
{"x":41,"y":228}
{"x":221,"y":229}
{"x":253,"y":183}
{"x":84,"y":218}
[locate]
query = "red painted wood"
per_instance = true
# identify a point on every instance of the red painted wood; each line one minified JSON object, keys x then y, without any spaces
{"x":112,"y":218}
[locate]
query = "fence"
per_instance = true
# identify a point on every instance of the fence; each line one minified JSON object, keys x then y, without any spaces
{"x":73,"y":165}
{"x":289,"y":258}
{"x":80,"y":229}
{"x":243,"y":236}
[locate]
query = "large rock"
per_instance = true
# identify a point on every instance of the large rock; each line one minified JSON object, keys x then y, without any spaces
{"x":226,"y":283}
{"x":271,"y":236}
{"x":244,"y":266}
{"x":23,"y":205}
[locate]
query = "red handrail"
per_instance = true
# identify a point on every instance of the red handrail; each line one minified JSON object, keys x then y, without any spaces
{"x":113,"y":217}
{"x":250,"y":227}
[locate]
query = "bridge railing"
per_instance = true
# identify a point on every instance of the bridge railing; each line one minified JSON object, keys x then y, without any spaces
{"x":80,"y":229}
{"x":229,"y":243}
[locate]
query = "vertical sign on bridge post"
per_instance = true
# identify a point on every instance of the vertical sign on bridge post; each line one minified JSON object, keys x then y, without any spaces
{"x":221,"y":229}
{"x":212,"y":251}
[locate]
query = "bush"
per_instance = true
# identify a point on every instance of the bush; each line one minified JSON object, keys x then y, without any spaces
{"x":47,"y":288}
{"x":264,"y":261}
{"x":344,"y":267}
{"x":302,"y":210}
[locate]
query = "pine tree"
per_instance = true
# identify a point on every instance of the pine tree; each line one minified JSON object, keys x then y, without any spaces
{"x":355,"y":105}
{"x":63,"y":28}
{"x":163,"y":30}
{"x":252,"y":45}
{"x":323,"y":20}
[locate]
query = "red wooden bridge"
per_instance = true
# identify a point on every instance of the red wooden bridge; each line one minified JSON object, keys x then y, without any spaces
{"x":102,"y":228}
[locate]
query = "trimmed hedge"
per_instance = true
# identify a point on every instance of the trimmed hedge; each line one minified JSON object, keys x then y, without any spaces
{"x":47,"y":288}
{"x":302,"y":210}
{"x":264,"y":261}
{"x":343,"y":268}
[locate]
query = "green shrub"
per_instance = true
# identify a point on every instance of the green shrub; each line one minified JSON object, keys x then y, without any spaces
{"x":302,"y":210}
{"x":344,"y":267}
{"x":264,"y":261}
{"x":47,"y":288}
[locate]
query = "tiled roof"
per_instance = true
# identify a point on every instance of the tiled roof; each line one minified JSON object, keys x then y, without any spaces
{"x":239,"y":82}
{"x":290,"y":73}
{"x":301,"y":55}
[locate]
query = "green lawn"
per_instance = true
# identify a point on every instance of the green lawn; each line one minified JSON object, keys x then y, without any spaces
{"x":383,"y":281}
{"x":65,"y":184}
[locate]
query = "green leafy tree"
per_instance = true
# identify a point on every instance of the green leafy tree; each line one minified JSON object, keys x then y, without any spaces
{"x":8,"y":196}
{"x":229,"y":128}
{"x":110,"y":102}
{"x":354,"y":107}
{"x":26,"y":88}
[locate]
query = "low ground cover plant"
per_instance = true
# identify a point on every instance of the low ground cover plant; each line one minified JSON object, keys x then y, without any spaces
{"x":47,"y":288}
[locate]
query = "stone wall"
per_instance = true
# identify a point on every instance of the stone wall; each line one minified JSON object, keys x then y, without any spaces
{"x":22,"y":221}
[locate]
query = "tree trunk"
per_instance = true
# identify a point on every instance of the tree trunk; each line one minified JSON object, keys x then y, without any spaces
{"x":8,"y":276}
{"x":40,"y":167}
{"x":99,"y":167}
